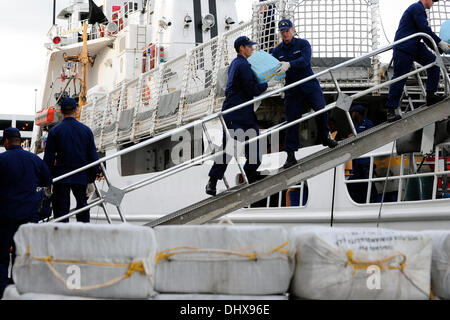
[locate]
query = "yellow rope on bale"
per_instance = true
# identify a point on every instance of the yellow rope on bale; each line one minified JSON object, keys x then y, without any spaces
{"x":167,"y":253}
{"x":359,"y":264}
{"x":132,"y":267}
{"x":272,"y":75}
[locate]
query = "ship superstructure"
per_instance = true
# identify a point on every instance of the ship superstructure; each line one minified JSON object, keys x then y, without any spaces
{"x":160,"y":66}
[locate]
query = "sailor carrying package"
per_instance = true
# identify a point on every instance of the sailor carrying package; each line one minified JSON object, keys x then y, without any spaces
{"x":265,"y":66}
{"x":440,"y":263}
{"x":86,"y":260}
{"x":232,"y":260}
{"x":357,"y":263}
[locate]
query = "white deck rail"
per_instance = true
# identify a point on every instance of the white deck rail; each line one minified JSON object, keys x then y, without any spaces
{"x":193,"y":85}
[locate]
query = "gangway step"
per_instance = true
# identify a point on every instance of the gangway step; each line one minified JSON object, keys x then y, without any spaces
{"x":310,"y":166}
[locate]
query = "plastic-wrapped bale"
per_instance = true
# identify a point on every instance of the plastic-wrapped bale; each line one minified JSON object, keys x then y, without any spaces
{"x":440,"y":263}
{"x":11,"y":293}
{"x":77,"y":259}
{"x":217,"y":297}
{"x":444,"y":33}
{"x":265,"y":66}
{"x":359,"y":263}
{"x":233,"y":260}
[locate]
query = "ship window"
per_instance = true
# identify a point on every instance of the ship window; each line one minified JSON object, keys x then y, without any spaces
{"x":5,"y":124}
{"x":412,"y":177}
{"x":24,"y":125}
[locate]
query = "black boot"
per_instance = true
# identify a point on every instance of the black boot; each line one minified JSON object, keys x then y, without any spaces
{"x":290,"y":160}
{"x":392,"y":116}
{"x":433,"y":98}
{"x":329,"y":142}
{"x":211,"y":186}
{"x":253,"y":176}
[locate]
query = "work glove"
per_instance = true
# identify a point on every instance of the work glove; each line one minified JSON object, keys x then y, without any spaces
{"x":444,"y":46}
{"x":48,"y":191}
{"x":284,"y":67}
{"x":90,"y":190}
{"x":272,"y":82}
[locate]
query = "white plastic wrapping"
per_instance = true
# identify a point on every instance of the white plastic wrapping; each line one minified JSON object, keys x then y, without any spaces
{"x":210,"y":270}
{"x":440,"y":263}
{"x":71,"y":245}
{"x":11,"y":293}
{"x":217,"y":297}
{"x":357,"y":263}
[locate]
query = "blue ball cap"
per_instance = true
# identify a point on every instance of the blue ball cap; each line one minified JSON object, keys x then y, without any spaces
{"x":285,"y":24}
{"x":358,"y":108}
{"x":10,"y":133}
{"x":68,"y":103}
{"x":242,"y":41}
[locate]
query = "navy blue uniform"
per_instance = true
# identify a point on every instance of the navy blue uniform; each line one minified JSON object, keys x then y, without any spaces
{"x":298,"y":54}
{"x":241,"y":87}
{"x":361,"y":168}
{"x":21,"y":173}
{"x":414,"y":20}
{"x":70,"y":145}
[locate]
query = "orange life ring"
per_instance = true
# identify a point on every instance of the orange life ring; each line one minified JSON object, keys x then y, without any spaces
{"x":119,"y":23}
{"x":146,"y":95}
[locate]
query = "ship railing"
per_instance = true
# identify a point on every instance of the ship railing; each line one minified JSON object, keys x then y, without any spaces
{"x":176,"y":92}
{"x":336,"y":30}
{"x":343,"y":102}
{"x":98,"y":30}
{"x":404,"y":172}
{"x":200,"y":89}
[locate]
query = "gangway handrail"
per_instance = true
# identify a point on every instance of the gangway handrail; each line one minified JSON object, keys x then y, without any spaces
{"x":220,"y":114}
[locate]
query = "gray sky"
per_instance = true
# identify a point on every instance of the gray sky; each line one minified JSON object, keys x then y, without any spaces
{"x":23,"y":29}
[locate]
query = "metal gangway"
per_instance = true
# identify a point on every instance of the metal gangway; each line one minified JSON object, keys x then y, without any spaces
{"x":245,"y":194}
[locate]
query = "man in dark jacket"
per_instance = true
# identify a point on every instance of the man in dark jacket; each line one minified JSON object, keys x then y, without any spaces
{"x":241,"y":87}
{"x":414,"y":20}
{"x":70,"y":145}
{"x":21,"y":173}
{"x":295,"y":56}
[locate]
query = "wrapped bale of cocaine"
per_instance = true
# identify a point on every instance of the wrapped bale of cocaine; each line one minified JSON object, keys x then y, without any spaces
{"x":265,"y":66}
{"x":440,"y":263}
{"x":361,"y":263}
{"x":229,"y":260}
{"x":86,"y":260}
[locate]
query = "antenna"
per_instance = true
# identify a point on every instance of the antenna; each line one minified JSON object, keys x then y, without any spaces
{"x":54,"y":12}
